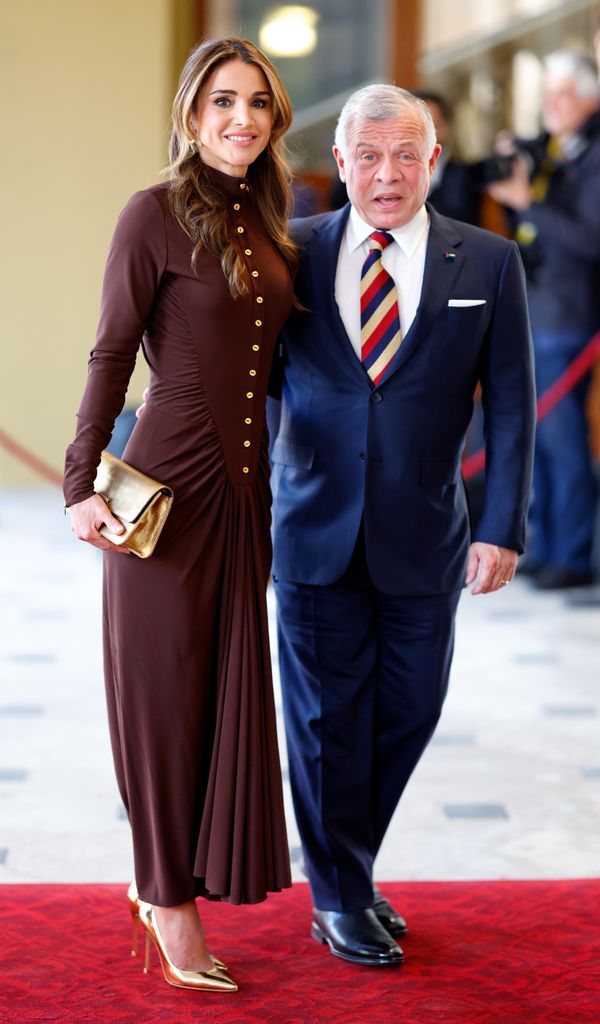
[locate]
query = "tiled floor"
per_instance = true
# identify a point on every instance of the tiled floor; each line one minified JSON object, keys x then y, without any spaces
{"x":509,"y":788}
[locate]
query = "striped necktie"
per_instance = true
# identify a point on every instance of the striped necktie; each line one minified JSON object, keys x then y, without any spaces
{"x":380,"y":333}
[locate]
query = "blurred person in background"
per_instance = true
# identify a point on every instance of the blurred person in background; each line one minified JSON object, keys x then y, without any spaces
{"x":200,"y":275}
{"x":554,"y":193}
{"x":457,"y":187}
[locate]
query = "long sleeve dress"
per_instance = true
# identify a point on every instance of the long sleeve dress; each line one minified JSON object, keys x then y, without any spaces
{"x":186,"y":653}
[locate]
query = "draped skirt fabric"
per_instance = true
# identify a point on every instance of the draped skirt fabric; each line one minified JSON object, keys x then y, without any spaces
{"x":188,"y":678}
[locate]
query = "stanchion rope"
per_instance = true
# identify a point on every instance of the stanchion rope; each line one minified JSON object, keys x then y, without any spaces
{"x":475,"y":463}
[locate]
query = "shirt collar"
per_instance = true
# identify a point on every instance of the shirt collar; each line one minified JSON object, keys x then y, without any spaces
{"x":408,"y":236}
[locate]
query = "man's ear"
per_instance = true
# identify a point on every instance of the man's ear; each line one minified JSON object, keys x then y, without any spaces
{"x":339,"y":159}
{"x":433,"y":159}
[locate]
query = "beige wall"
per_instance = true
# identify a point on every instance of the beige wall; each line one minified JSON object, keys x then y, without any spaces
{"x":85,"y":93}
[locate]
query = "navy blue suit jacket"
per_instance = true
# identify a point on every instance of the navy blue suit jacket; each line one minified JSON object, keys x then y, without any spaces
{"x":391,"y":455}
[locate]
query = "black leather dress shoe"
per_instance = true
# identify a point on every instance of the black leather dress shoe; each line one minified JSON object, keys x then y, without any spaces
{"x":356,"y":936}
{"x":393,"y":922}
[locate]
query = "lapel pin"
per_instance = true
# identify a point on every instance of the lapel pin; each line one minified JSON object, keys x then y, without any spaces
{"x":449,"y":255}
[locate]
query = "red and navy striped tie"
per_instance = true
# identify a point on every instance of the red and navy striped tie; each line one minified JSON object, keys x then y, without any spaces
{"x":380,"y":333}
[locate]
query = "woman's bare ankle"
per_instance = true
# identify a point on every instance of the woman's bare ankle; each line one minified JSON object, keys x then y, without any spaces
{"x":183,"y":935}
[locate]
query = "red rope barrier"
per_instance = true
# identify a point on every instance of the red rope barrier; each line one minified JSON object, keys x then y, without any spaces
{"x":473,"y":464}
{"x":29,"y":459}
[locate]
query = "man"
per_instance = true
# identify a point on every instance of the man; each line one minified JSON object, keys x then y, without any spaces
{"x":371,"y":531}
{"x":556,"y":198}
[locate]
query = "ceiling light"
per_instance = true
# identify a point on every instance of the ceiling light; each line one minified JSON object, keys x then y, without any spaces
{"x":289,"y":31}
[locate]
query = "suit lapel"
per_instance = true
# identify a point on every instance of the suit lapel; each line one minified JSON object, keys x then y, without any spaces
{"x":443,"y":263}
{"x":322,"y":255}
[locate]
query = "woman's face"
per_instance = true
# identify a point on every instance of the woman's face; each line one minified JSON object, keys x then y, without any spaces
{"x":233,"y":117}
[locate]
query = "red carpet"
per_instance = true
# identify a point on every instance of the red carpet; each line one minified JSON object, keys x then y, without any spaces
{"x":477,"y":953}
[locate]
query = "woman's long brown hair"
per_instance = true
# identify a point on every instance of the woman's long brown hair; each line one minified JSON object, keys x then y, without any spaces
{"x":198,"y":205}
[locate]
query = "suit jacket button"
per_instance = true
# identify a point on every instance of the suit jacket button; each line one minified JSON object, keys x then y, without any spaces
{"x":363,"y":457}
{"x":376,"y":397}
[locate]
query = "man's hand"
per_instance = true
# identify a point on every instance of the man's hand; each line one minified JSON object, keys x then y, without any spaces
{"x":86,"y":519}
{"x":490,"y":567}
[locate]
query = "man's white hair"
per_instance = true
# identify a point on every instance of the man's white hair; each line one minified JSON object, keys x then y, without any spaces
{"x":382,"y":103}
{"x":564,"y":64}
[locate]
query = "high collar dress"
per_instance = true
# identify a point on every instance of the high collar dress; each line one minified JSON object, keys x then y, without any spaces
{"x":186,"y":652}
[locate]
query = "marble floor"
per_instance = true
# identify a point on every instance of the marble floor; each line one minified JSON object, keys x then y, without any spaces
{"x":509,"y":787}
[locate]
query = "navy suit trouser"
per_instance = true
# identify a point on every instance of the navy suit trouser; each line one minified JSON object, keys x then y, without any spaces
{"x":563,"y":511}
{"x":364,"y":676}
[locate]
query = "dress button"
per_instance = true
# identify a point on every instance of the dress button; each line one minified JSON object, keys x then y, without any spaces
{"x":248,"y":252}
{"x":248,"y":420}
{"x":255,"y":273}
{"x":249,"y":394}
{"x":258,"y":323}
{"x":240,"y":230}
{"x":252,"y":373}
{"x":259,"y":298}
{"x":245,"y":469}
{"x":243,"y":184}
{"x":255,"y":348}
{"x":376,"y":397}
{"x":246,"y":444}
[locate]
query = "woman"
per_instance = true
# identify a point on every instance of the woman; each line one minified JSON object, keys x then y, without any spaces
{"x":199,"y":272}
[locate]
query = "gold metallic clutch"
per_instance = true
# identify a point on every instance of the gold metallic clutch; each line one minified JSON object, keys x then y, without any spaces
{"x":140,"y":503}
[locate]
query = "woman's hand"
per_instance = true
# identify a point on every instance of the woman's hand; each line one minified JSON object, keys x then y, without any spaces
{"x":140,"y":408}
{"x":86,"y":519}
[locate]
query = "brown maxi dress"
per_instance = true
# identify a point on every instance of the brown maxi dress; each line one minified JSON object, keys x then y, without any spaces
{"x":186,"y":650}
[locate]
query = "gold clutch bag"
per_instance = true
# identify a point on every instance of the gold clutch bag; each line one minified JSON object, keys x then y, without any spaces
{"x":140,"y":503}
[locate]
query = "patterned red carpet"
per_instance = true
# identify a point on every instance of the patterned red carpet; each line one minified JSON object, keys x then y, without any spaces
{"x":477,"y":953}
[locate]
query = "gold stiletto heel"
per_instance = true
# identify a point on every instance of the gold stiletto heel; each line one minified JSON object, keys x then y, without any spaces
{"x":134,"y":906}
{"x":214,"y":980}
{"x":134,"y":901}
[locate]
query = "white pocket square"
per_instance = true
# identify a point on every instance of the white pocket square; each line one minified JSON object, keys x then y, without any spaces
{"x":467,"y":302}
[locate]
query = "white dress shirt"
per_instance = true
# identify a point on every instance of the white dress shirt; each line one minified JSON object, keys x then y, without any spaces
{"x":404,"y":262}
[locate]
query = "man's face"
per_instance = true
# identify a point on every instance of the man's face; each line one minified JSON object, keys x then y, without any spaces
{"x":564,"y":110}
{"x":387,"y":169}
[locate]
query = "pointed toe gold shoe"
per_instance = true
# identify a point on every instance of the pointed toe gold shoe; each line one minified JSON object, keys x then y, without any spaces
{"x":214,"y":980}
{"x":134,"y":901}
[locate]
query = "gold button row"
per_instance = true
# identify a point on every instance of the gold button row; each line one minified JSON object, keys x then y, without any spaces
{"x":255,"y":348}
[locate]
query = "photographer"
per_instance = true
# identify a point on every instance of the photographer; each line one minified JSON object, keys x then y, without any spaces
{"x":554,"y":193}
